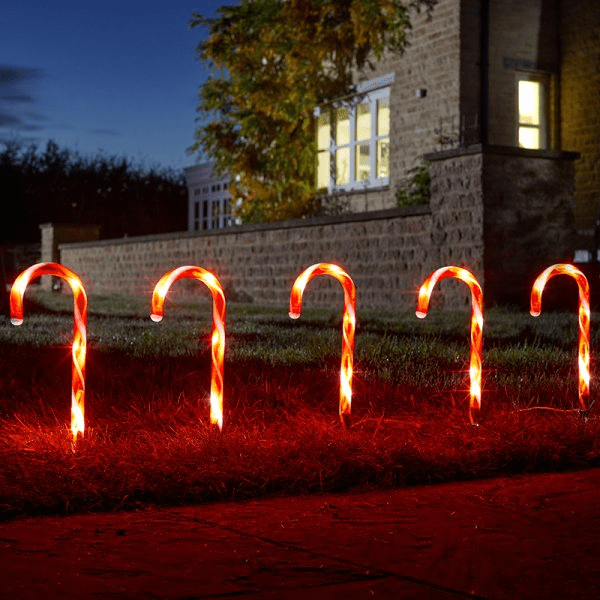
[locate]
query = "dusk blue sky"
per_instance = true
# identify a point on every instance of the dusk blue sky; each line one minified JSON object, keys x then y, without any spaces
{"x":120,"y":76}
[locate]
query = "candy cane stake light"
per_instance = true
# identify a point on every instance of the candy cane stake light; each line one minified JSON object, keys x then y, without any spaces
{"x":584,"y":320}
{"x":218,"y":328}
{"x":349,"y":324}
{"x":79,"y":330}
{"x":476,"y":326}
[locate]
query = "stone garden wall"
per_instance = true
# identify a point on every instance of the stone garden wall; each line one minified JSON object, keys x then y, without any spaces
{"x":503,"y":213}
{"x":387,"y":253}
{"x":528,"y":219}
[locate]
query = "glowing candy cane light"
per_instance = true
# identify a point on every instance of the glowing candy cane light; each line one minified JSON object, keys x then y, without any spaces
{"x":349,"y":323}
{"x":584,"y":320}
{"x":476,"y":326}
{"x":218,"y":330}
{"x":79,"y":331}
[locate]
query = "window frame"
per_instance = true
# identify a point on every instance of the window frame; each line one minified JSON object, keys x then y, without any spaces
{"x":368,"y":92}
{"x":212,"y":206}
{"x":543,"y":79}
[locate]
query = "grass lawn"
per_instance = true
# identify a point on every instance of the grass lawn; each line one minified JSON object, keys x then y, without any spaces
{"x":148,"y":441}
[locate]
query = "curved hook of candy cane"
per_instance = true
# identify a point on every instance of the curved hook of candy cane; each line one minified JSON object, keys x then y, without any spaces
{"x":218,"y":328}
{"x":476,"y":326}
{"x":584,"y":320}
{"x":17,"y":293}
{"x":349,"y":324}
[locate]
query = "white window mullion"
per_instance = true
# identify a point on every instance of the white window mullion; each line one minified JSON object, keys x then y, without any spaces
{"x":331,"y":149}
{"x":352,"y":116}
{"x":373,"y":141}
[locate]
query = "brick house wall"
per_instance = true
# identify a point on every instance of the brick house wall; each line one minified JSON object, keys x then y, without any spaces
{"x":579,"y":102}
{"x":466,"y":74}
{"x":430,"y":63}
{"x":523,"y":39}
{"x":555,"y":40}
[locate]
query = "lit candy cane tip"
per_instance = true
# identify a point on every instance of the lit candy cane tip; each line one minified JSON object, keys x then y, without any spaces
{"x":293,"y":315}
{"x":535,"y":313}
{"x":421,"y":315}
{"x":156,"y":318}
{"x":16,"y":321}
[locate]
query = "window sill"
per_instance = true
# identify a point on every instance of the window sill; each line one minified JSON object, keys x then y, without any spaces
{"x":353,"y":191}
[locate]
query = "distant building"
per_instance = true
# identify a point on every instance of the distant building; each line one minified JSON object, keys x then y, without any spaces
{"x":209,"y":200}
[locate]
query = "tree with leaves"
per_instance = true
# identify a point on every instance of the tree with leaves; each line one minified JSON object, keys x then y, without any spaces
{"x":272,"y":62}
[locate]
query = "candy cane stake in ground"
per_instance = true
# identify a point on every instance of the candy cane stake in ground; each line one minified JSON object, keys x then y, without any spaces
{"x":218,"y":328}
{"x":476,"y":326}
{"x":79,"y":330}
{"x":584,"y":320}
{"x":349,"y":324}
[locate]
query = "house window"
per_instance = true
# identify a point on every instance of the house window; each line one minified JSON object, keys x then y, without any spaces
{"x":212,"y":208}
{"x":532,"y":126}
{"x":323,"y":143}
{"x":353,"y":143}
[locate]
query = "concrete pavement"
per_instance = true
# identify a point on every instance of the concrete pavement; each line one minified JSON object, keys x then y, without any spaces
{"x":532,"y":536}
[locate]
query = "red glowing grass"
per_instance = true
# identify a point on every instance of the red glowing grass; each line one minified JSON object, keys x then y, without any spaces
{"x":476,"y":326}
{"x":349,"y":323}
{"x":218,"y":329}
{"x":79,"y":330}
{"x":584,"y":320}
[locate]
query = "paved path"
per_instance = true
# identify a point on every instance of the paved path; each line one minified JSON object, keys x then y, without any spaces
{"x":534,"y":537}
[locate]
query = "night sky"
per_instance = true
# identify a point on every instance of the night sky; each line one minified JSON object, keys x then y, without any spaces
{"x":119,"y":76}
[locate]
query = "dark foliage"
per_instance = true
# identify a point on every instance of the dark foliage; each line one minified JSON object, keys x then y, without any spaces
{"x":62,"y":186}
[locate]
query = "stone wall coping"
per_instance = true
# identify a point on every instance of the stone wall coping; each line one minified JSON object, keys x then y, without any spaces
{"x":69,"y":225}
{"x":503,"y":150}
{"x":404,"y":211}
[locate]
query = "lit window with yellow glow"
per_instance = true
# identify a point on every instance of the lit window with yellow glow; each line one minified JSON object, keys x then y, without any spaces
{"x":342,"y":141}
{"x":530,"y":114}
{"x":323,"y":156}
{"x":353,"y":142}
{"x":383,"y":137}
{"x":363,"y":134}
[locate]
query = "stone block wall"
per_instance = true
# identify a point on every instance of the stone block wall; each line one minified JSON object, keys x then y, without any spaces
{"x":528,"y":218}
{"x":387,"y":254}
{"x":506,"y":213}
{"x":503,"y":213}
{"x":457,"y":219}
